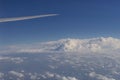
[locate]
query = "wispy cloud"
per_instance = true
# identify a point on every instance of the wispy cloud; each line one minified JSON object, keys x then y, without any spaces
{"x":25,"y":17}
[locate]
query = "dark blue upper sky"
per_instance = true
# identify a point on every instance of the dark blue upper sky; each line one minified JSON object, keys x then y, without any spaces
{"x":77,"y":19}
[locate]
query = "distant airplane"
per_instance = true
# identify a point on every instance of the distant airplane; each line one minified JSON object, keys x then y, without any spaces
{"x":25,"y":18}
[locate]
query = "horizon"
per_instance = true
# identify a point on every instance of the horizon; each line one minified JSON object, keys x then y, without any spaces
{"x":91,"y":45}
{"x":76,"y":19}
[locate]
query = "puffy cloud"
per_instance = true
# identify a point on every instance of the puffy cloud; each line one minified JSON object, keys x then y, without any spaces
{"x":17,"y":74}
{"x":33,"y":77}
{"x":49,"y":75}
{"x":99,"y":76}
{"x":94,"y":45}
{"x":1,"y":74}
{"x":58,"y":77}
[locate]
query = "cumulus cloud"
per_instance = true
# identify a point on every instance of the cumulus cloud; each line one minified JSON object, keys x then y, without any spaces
{"x":94,"y":45}
{"x":25,"y":17}
{"x":17,"y":74}
{"x":58,"y":77}
{"x":1,"y":75}
{"x":49,"y":75}
{"x":99,"y":76}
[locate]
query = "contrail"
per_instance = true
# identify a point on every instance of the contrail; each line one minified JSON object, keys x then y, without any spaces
{"x":25,"y":17}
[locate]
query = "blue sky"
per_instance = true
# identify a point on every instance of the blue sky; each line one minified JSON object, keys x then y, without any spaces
{"x":77,"y":19}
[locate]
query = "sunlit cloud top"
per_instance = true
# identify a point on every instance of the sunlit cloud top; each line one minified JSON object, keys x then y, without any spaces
{"x":93,"y":45}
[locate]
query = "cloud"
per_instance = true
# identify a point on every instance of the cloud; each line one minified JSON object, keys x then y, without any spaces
{"x":25,"y":17}
{"x":58,"y":77}
{"x":49,"y":75}
{"x":20,"y":75}
{"x":16,"y":60}
{"x":99,"y":76}
{"x":1,"y":75}
{"x":93,"y":45}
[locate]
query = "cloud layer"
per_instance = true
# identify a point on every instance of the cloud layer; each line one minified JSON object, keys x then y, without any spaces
{"x":25,"y":17}
{"x":94,"y":45}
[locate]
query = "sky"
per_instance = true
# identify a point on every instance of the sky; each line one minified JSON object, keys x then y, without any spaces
{"x":76,"y":19}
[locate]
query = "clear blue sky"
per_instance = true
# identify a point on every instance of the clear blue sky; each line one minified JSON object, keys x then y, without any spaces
{"x":77,"y":19}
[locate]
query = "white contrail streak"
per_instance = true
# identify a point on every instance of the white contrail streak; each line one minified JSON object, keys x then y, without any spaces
{"x":25,"y":17}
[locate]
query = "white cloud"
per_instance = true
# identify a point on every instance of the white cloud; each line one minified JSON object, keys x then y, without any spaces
{"x":25,"y":17}
{"x":33,"y":77}
{"x":49,"y":75}
{"x":99,"y":76}
{"x":58,"y":77}
{"x":16,"y":60}
{"x":94,"y":45}
{"x":17,"y":74}
{"x":1,"y":75}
